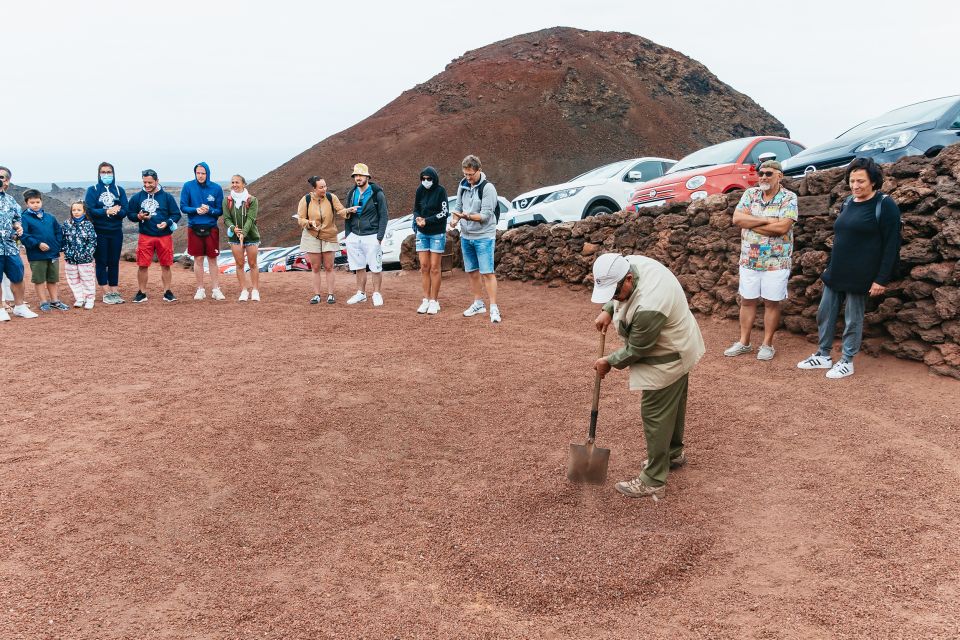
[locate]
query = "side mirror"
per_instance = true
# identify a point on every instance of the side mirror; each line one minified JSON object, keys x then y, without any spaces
{"x":635,"y":176}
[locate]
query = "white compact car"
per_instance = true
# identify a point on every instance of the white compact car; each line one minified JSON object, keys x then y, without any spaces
{"x":602,"y":190}
{"x":399,"y":228}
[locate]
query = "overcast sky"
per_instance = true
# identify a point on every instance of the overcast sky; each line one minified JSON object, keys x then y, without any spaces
{"x":248,"y":85}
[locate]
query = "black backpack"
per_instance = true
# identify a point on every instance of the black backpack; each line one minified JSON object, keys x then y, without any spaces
{"x":483,"y":183}
{"x":329,"y":199}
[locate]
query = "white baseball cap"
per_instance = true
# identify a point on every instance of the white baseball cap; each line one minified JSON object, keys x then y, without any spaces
{"x":608,"y":270}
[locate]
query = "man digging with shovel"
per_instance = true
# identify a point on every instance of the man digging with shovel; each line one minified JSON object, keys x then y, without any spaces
{"x":662,"y":343}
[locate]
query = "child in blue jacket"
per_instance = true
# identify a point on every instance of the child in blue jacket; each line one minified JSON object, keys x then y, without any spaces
{"x":43,"y":236}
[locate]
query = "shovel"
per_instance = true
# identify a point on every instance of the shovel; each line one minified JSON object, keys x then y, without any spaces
{"x":588,"y":463}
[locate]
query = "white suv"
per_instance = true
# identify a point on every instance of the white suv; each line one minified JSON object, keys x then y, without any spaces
{"x":602,"y":190}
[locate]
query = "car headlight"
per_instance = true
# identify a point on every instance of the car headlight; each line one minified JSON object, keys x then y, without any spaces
{"x":698,"y":195}
{"x":696,"y":182}
{"x":891,"y":142}
{"x":563,"y":193}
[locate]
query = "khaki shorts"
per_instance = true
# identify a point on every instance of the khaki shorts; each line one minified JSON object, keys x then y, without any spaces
{"x":310,"y":244}
{"x":42,"y":271}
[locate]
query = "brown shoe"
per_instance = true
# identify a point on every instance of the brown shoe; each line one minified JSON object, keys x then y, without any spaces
{"x":675,"y":463}
{"x":637,"y":489}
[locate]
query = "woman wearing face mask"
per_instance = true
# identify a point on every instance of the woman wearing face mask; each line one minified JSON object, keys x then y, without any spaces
{"x":429,"y":223}
{"x":107,"y":205}
{"x":240,"y":218}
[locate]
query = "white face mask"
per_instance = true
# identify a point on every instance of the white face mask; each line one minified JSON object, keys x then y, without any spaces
{"x":427,"y":184}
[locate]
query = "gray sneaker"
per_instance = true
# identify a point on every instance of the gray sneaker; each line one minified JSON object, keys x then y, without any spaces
{"x":765,"y":352}
{"x":738,"y":349}
{"x":637,"y":489}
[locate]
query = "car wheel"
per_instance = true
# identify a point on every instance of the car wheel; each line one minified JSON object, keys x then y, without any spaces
{"x":598,"y":210}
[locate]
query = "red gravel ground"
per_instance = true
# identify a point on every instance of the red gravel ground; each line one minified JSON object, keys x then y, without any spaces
{"x":280,"y":470}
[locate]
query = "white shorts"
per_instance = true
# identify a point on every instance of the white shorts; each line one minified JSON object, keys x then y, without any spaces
{"x":769,"y":285}
{"x":364,"y":252}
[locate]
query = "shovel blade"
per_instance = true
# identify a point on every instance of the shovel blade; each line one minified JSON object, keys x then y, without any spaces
{"x":588,"y":463}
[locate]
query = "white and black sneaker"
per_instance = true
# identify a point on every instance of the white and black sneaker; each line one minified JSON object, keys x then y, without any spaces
{"x":840,"y":370}
{"x":357,"y":298}
{"x":140,"y":297}
{"x":816,"y":361}
{"x":168,"y":296}
{"x":477,"y":307}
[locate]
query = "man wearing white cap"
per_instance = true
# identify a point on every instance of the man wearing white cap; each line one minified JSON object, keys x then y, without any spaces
{"x":662,"y":343}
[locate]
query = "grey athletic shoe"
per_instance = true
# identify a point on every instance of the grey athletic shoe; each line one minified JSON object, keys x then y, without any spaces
{"x":637,"y":489}
{"x":737,"y":349}
{"x":765,"y":352}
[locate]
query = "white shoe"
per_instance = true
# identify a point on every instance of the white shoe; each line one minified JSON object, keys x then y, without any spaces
{"x":494,"y":313}
{"x":88,"y":304}
{"x":423,"y":306}
{"x":477,"y":307}
{"x":359,"y":296}
{"x":200,"y":294}
{"x":255,"y":295}
{"x":216,"y":294}
{"x":23,"y":311}
{"x":377,"y":299}
{"x":4,"y":316}
{"x":244,"y":296}
{"x":433,"y":308}
{"x":816,"y":361}
{"x":840,"y":370}
{"x":78,"y":304}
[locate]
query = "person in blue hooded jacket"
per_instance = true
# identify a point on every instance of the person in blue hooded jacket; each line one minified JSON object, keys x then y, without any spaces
{"x":201,"y":199}
{"x":43,"y":238}
{"x":157,"y":213}
{"x":107,"y":205}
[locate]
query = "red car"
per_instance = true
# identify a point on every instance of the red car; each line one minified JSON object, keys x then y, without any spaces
{"x":718,"y":169}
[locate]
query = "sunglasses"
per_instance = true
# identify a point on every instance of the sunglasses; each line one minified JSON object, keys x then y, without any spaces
{"x":766,"y":174}
{"x":616,"y":292}
{"x":148,"y":173}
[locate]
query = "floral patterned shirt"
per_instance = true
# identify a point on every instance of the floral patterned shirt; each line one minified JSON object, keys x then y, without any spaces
{"x":767,"y":253}
{"x":10,"y":214}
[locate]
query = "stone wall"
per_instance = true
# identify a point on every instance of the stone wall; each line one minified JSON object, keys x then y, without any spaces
{"x":918,"y":318}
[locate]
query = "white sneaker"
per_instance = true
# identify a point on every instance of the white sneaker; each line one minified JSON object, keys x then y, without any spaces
{"x":494,"y":313}
{"x":23,"y":311}
{"x":216,"y":294}
{"x":433,"y":307}
{"x":4,"y":316}
{"x":840,"y":370}
{"x":78,"y":304}
{"x":816,"y":361}
{"x":477,"y":307}
{"x":255,"y":295}
{"x":423,"y":306}
{"x":88,"y":304}
{"x":377,"y":299}
{"x":200,"y":294}
{"x":244,"y":296}
{"x":359,"y":296}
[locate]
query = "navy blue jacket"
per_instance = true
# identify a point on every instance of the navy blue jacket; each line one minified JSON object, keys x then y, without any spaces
{"x":195,"y":195}
{"x":167,"y":211}
{"x":97,"y":198}
{"x":38,"y":229}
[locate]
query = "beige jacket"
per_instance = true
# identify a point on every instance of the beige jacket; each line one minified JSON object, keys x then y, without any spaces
{"x":662,"y":341}
{"x":320,"y":211}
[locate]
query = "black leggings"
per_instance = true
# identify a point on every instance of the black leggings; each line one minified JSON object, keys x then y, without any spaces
{"x":108,"y":257}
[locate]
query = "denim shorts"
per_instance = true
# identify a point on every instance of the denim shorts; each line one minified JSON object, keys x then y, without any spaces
{"x":435,"y":243}
{"x":477,"y":254}
{"x":12,"y":267}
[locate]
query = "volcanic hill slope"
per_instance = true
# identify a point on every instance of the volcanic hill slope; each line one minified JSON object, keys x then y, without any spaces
{"x":538,"y":109}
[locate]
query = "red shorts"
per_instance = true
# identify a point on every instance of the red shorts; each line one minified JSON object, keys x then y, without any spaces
{"x":208,"y":246}
{"x":147,"y":245}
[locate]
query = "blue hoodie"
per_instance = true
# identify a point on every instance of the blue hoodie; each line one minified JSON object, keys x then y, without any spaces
{"x":39,"y":228}
{"x":167,"y":211}
{"x":96,"y":200}
{"x":194,"y":195}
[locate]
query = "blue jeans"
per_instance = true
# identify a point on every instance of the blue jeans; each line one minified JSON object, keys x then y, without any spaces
{"x":477,"y":254}
{"x":107,"y":257}
{"x":435,"y":243}
{"x":852,"y":317}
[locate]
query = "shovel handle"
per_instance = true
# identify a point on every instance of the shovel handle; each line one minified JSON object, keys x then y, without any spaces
{"x":595,"y":409}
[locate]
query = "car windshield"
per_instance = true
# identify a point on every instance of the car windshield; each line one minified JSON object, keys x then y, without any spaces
{"x":912,"y":114}
{"x":723,"y":153}
{"x":604,"y":172}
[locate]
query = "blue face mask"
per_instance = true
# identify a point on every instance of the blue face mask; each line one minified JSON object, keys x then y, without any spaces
{"x":107,"y":179}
